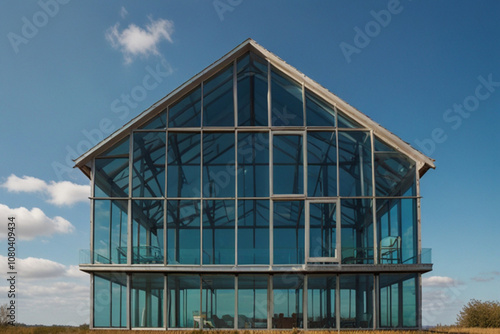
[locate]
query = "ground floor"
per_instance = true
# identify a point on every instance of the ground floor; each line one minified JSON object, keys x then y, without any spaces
{"x":255,"y":300}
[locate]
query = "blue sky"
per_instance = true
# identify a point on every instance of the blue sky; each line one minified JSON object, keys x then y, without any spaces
{"x":73,"y":71}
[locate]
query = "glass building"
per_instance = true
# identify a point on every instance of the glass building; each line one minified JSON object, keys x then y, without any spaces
{"x":252,"y":197}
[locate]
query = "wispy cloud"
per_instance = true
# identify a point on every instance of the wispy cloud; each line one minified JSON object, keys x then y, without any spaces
{"x":136,"y":41}
{"x":486,"y":277}
{"x":38,"y":268}
{"x":439,"y":281}
{"x":123,"y":12}
{"x":33,"y":223}
{"x":59,"y":193}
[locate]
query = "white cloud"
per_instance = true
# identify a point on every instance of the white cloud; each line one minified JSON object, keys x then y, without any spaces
{"x":38,"y":268}
{"x":59,"y":193}
{"x":133,"y":40}
{"x":123,"y":12}
{"x":439,"y":281}
{"x":33,"y":223}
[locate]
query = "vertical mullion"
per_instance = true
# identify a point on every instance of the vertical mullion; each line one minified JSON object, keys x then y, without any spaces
{"x":235,"y":322}
{"x":337,"y":301}
{"x":129,"y":206}
{"x":304,"y":302}
{"x":270,"y":302}
{"x":165,"y":302}
{"x":129,"y":301}
{"x":92,"y":299}
{"x":92,"y":217}
{"x":269,"y":99}
{"x":202,"y":160}
{"x":165,"y":245}
{"x":236,"y":197}
{"x":374,"y":204}
{"x":306,"y":232}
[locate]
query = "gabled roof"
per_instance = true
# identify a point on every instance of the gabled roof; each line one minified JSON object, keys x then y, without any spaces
{"x":423,"y":162}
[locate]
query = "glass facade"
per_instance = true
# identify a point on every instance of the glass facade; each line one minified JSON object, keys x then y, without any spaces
{"x":236,"y":185}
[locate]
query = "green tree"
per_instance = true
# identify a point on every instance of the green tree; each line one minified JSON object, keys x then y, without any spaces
{"x":480,"y":314}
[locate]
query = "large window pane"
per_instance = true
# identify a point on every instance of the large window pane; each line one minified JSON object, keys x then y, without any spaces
{"x":321,"y":301}
{"x":252,"y":301}
{"x":395,"y":175}
{"x":218,"y":165}
{"x":253,"y":231}
{"x":147,"y":300}
{"x":356,"y":301}
{"x":183,"y":301}
{"x":357,"y":231}
{"x":398,"y":300}
{"x":147,"y":231}
{"x":184,"y":165}
{"x":286,"y":96}
{"x":111,"y":177}
{"x":346,"y":122}
{"x":288,"y":167}
{"x":253,"y":164}
{"x":288,"y":292}
{"x":186,"y":112}
{"x":110,"y":231}
{"x":252,"y":91}
{"x":288,"y":232}
{"x":321,"y":164}
{"x":183,"y":232}
{"x":148,"y":178}
{"x":355,"y":163}
{"x":158,"y":122}
{"x":218,"y":100}
{"x":318,"y":112}
{"x":217,"y":301}
{"x":323,"y":230}
{"x":218,"y":232}
{"x":110,"y":300}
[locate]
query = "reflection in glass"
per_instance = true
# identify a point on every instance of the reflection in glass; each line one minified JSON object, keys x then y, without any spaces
{"x":218,"y":101}
{"x":321,"y":301}
{"x":286,"y":96}
{"x":146,"y":307}
{"x":159,"y":122}
{"x":252,"y":301}
{"x":398,"y":300}
{"x":288,"y":167}
{"x":217,"y":301}
{"x":183,"y":232}
{"x":186,"y":112}
{"x":323,"y":230}
{"x":110,"y":300}
{"x":253,"y":232}
{"x":395,"y":175}
{"x":110,"y":231}
{"x":357,"y":231}
{"x":147,"y":231}
{"x":288,"y":232}
{"x":183,"y":301}
{"x":356,"y":301}
{"x":346,"y":122}
{"x":321,"y":164}
{"x":111,"y":177}
{"x":148,"y":176}
{"x":252,"y":91}
{"x":253,"y":164}
{"x":218,"y":164}
{"x":355,"y":163}
{"x":183,"y":166}
{"x":288,"y":292}
{"x":318,"y":112}
{"x":118,"y":150}
{"x":218,"y":232}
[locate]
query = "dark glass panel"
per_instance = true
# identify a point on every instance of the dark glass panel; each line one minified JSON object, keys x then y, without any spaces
{"x":147,"y":231}
{"x":356,"y":301}
{"x":111,"y":177}
{"x":321,"y":164}
{"x":122,"y":148}
{"x":217,"y":300}
{"x":346,"y":122}
{"x":110,"y":298}
{"x":355,"y":163}
{"x":357,"y":231}
{"x":183,"y":232}
{"x":286,"y":96}
{"x":252,"y":301}
{"x":288,"y":291}
{"x":218,"y":165}
{"x":395,"y":175}
{"x":183,"y":307}
{"x":398,"y":301}
{"x":218,"y":99}
{"x":110,"y":231}
{"x":318,"y":112}
{"x":218,"y":232}
{"x":183,"y":165}
{"x":322,"y":229}
{"x":186,"y":112}
{"x":253,"y":231}
{"x":148,"y":176}
{"x":288,"y":232}
{"x":288,"y":167}
{"x":253,"y":164}
{"x":252,"y":91}
{"x":321,"y":301}
{"x":147,"y":300}
{"x":380,"y":146}
{"x":159,"y":122}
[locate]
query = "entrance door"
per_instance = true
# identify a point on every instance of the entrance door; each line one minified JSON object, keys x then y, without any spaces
{"x":322,"y":231}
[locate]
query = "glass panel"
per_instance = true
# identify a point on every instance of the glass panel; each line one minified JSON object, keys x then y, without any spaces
{"x":321,"y":301}
{"x":183,"y":232}
{"x":159,"y":122}
{"x":217,"y":301}
{"x":357,"y":231}
{"x":395,"y":175}
{"x":218,"y":232}
{"x":218,"y":99}
{"x":288,"y":292}
{"x":253,"y":164}
{"x":380,"y":146}
{"x":252,"y":301}
{"x":110,"y":300}
{"x":397,"y":224}
{"x":183,"y":301}
{"x":288,"y":231}
{"x":321,"y":164}
{"x":121,"y":148}
{"x":318,"y":112}
{"x":252,"y":91}
{"x":398,"y":301}
{"x":186,"y":112}
{"x":148,"y":176}
{"x":218,"y":165}
{"x":346,"y":122}
{"x":253,"y":231}
{"x":288,"y":167}
{"x":322,"y":229}
{"x":111,"y":177}
{"x":356,"y":301}
{"x":147,"y":300}
{"x":110,"y":231}
{"x":355,"y":162}
{"x":286,"y":97}
{"x":183,"y":165}
{"x":147,"y":231}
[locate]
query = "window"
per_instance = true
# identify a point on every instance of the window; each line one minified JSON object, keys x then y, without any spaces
{"x":252,"y":91}
{"x":148,"y":176}
{"x":288,"y":164}
{"x":288,"y":231}
{"x":218,"y":232}
{"x":253,"y":232}
{"x":183,"y":231}
{"x":286,"y":96}
{"x":183,"y":166}
{"x":147,"y":300}
{"x":218,"y":101}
